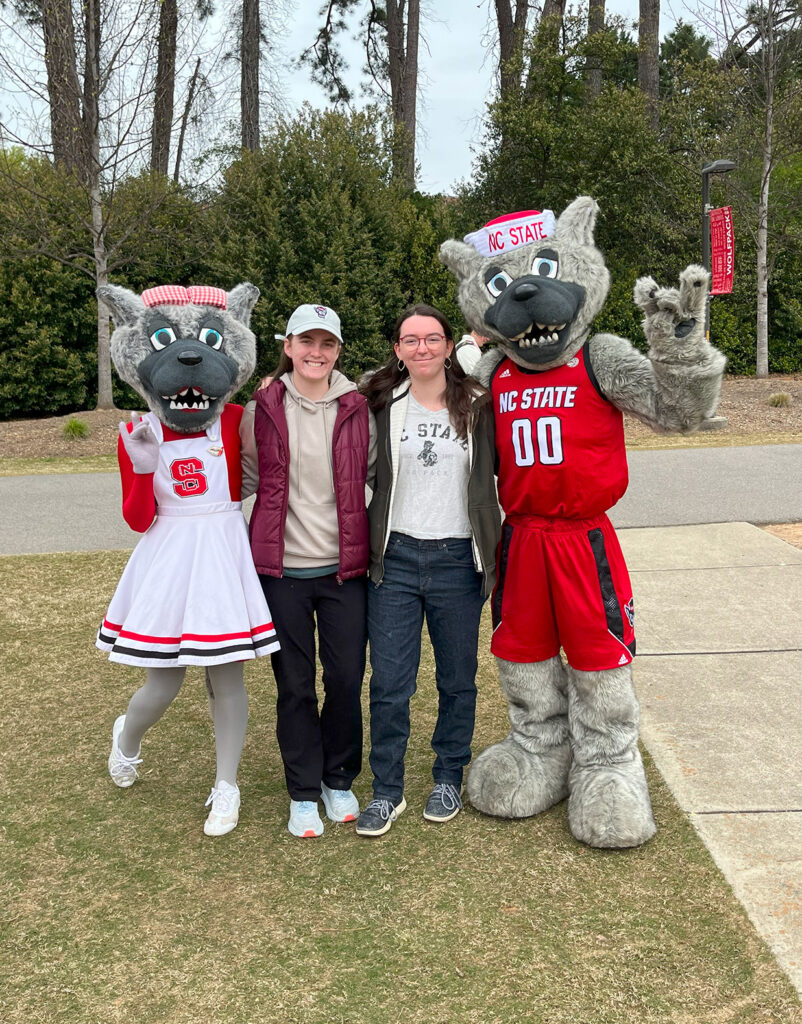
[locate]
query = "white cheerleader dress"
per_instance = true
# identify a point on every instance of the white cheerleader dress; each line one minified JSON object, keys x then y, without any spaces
{"x":189,"y":594}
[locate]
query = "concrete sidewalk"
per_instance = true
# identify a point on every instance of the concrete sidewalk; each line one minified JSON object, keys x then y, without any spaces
{"x":719,"y":677}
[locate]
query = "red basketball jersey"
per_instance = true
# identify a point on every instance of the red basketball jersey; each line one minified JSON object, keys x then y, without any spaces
{"x":560,"y":443}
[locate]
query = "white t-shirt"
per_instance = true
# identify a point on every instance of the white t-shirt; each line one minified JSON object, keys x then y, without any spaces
{"x":431,"y":498}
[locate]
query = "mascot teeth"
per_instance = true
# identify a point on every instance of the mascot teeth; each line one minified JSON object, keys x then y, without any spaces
{"x":188,"y":398}
{"x":549,"y":333}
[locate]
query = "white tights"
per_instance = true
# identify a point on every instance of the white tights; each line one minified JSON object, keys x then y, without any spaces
{"x":230,"y":712}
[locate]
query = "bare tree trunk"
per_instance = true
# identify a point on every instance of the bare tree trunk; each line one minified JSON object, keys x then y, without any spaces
{"x":648,"y":57}
{"x":63,"y":88}
{"x":511,"y":35}
{"x":165,"y":87}
{"x":402,"y":51}
{"x":91,"y":174}
{"x":762,"y":360}
{"x":249,"y":87}
{"x":410,"y":93}
{"x":547,"y":40}
{"x":552,"y":9}
{"x":762,"y":325}
{"x":105,"y":396}
{"x":90,"y":155}
{"x":593,"y":69}
{"x":395,"y":52}
{"x":193,"y":85}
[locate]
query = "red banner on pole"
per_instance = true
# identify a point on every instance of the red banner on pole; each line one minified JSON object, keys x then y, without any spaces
{"x":722,"y":250}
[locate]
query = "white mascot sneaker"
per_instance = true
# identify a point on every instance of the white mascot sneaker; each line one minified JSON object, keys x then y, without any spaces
{"x":224,"y":815}
{"x":122,"y":769}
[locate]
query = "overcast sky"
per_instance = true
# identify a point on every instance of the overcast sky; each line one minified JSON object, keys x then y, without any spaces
{"x":456,"y":77}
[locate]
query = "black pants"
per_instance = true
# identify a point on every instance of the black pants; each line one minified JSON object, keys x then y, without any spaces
{"x":325,"y":745}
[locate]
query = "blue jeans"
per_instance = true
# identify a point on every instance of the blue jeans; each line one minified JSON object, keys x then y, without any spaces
{"x":436,"y":578}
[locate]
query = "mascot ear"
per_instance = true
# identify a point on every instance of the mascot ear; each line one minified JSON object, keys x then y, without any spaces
{"x":125,"y":306}
{"x":241,"y":301}
{"x":577,"y":221}
{"x":460,"y":258}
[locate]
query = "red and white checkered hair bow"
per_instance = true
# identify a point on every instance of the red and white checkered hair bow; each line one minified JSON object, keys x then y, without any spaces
{"x":178,"y":295}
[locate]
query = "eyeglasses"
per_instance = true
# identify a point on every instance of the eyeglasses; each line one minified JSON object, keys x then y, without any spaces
{"x":411,"y":341}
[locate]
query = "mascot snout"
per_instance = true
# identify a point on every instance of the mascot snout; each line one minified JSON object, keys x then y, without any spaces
{"x":536,"y":314}
{"x":187,"y":378}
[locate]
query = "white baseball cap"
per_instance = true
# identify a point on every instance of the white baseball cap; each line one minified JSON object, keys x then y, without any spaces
{"x":312,"y":318}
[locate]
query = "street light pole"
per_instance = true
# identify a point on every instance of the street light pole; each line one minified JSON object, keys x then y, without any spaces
{"x":717,"y":167}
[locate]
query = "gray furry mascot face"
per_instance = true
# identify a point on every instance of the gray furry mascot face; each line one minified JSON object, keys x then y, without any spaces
{"x":535,"y":296}
{"x":185,"y":350}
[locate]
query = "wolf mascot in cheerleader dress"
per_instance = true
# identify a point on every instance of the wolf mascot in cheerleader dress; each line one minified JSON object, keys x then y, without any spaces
{"x":534,"y":287}
{"x":189,"y":594}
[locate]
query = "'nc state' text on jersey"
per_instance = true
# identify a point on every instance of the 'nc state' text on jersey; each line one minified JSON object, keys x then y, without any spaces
{"x":557,"y":397}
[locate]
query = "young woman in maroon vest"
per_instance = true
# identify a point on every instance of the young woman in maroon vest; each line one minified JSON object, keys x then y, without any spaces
{"x":311,"y":438}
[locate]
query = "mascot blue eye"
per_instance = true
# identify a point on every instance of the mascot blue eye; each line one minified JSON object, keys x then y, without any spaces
{"x":211,"y":337}
{"x":545,"y":266}
{"x":498,"y":282}
{"x":163,"y":337}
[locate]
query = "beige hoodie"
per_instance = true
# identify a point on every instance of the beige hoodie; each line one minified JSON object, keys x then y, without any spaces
{"x":311,"y":535}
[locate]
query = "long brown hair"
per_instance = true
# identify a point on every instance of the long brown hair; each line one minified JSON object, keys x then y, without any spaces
{"x":461,"y":391}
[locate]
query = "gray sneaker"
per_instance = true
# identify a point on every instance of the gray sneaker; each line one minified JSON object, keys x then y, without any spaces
{"x":444,"y":803}
{"x":378,"y":817}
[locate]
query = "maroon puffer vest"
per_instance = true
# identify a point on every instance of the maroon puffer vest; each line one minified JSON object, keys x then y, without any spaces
{"x":350,"y":441}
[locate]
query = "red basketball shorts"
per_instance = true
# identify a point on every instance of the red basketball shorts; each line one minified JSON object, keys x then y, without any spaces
{"x":563,"y":583}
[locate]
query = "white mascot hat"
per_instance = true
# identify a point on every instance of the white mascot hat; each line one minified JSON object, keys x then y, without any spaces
{"x":512,"y":231}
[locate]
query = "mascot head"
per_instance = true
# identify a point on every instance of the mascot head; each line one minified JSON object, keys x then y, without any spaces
{"x":185,"y":350}
{"x":531,"y":284}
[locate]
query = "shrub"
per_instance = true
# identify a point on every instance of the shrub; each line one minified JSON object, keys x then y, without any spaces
{"x":780,"y":400}
{"x":75,"y":428}
{"x":40,"y":376}
{"x":47,"y":338}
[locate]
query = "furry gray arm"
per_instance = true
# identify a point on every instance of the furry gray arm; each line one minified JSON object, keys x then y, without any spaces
{"x":677,"y":385}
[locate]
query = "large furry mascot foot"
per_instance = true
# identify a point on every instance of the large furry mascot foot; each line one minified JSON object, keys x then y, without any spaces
{"x":609,"y":805}
{"x":527,"y":772}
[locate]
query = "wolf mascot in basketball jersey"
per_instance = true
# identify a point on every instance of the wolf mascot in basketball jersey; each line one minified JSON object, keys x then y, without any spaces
{"x":189,"y":594}
{"x":533,"y":287}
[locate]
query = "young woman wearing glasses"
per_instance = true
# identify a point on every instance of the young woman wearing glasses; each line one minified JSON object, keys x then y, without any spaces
{"x":434,"y":528}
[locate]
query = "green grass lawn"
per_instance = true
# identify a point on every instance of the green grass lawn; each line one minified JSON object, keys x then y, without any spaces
{"x":116,"y":907}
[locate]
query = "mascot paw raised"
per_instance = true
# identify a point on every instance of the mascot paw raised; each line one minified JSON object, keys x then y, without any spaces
{"x":534,"y":287}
